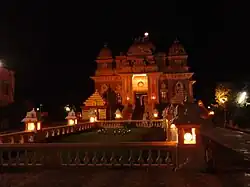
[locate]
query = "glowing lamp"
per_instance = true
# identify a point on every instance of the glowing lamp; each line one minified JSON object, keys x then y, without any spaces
{"x":92,"y":119}
{"x":31,"y":122}
{"x":31,"y":126}
{"x":38,"y":126}
{"x":127,"y":98}
{"x":211,"y":113}
{"x":118,"y":114}
{"x":146,"y":34}
{"x":190,"y":137}
{"x":200,"y":103}
{"x":72,"y":119}
{"x":71,"y":122}
{"x":153,"y":97}
{"x":172,"y":126}
{"x":155,"y":114}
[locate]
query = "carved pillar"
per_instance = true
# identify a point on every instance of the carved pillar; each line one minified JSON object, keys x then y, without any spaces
{"x":170,"y":89}
{"x":191,"y":96}
{"x":127,"y":89}
{"x":123,"y":91}
{"x":149,"y":88}
{"x":153,"y":96}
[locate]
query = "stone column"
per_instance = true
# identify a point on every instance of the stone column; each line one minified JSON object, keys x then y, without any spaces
{"x":190,"y":89}
{"x":130,"y":89}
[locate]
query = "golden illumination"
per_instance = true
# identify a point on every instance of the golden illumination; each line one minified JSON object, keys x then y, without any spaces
{"x":211,"y":113}
{"x":118,"y":116}
{"x":221,"y":95}
{"x":172,"y":126}
{"x":200,"y":103}
{"x":31,"y":126}
{"x":153,"y":97}
{"x":92,"y":119}
{"x":38,"y":126}
{"x":127,"y":98}
{"x":75,"y":121}
{"x":71,"y":122}
{"x":190,"y":138}
{"x":155,"y":115}
{"x":140,"y":82}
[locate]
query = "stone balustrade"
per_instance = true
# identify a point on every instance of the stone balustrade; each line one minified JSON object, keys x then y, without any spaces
{"x":39,"y":136}
{"x":91,"y":154}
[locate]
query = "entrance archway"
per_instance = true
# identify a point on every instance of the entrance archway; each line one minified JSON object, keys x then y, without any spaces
{"x":111,"y":97}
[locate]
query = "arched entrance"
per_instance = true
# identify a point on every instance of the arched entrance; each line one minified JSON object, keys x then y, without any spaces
{"x":111,"y":97}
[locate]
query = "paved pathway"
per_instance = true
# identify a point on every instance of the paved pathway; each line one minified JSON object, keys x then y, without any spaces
{"x":101,"y":177}
{"x":235,"y":140}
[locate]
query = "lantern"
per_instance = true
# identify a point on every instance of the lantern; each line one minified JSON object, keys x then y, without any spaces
{"x":190,"y":137}
{"x":155,"y":113}
{"x":31,"y":121}
{"x":118,"y":114}
{"x":72,"y":119}
{"x":211,"y":113}
{"x":92,"y":116}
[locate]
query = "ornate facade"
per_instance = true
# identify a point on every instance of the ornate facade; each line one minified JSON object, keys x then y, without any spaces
{"x":144,"y":74}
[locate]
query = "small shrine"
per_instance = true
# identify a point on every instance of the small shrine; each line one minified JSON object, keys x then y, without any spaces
{"x":72,"y":119}
{"x":94,"y":103}
{"x":118,"y":114}
{"x":31,"y":121}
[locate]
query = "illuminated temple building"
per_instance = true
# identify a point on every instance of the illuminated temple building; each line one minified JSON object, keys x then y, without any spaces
{"x":144,"y":77}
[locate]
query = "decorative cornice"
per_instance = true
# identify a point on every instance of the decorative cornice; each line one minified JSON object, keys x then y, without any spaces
{"x":177,"y":76}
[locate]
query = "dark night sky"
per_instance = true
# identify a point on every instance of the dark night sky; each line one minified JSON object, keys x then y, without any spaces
{"x":52,"y":47}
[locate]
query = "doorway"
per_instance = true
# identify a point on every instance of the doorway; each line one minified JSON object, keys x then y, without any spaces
{"x":139,"y":105}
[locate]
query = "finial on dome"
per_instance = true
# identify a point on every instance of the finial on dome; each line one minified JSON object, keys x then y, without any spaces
{"x":176,"y":40}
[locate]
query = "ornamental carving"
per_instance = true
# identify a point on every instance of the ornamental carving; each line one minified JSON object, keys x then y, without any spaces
{"x":104,"y":88}
{"x":118,"y":88}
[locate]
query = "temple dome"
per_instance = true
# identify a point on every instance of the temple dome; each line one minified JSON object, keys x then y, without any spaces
{"x":176,"y":49}
{"x":141,"y":48}
{"x":105,"y":52}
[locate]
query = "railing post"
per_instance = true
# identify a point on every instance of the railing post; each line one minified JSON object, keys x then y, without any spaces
{"x":52,"y":159}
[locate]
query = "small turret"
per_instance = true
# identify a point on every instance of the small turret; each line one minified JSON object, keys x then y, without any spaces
{"x":72,"y":119}
{"x":31,"y":121}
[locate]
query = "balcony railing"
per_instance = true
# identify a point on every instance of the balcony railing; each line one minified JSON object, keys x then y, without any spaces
{"x":93,"y":154}
{"x":39,"y":136}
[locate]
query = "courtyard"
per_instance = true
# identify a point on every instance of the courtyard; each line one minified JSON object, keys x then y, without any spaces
{"x":115,"y":135}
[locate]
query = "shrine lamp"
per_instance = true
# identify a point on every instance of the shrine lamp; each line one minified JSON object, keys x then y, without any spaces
{"x":118,"y":114}
{"x":190,"y":137}
{"x":155,"y":113}
{"x":31,"y":122}
{"x":72,"y":119}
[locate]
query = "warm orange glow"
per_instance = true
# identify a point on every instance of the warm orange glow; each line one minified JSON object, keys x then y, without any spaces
{"x":31,"y":126}
{"x":155,"y":115}
{"x":173,"y":126}
{"x":92,"y":119}
{"x":38,"y":126}
{"x":118,"y":116}
{"x":127,"y":98}
{"x":75,"y":121}
{"x":222,"y":94}
{"x":200,"y":103}
{"x":211,"y":113}
{"x":190,"y":138}
{"x":71,"y":122}
{"x":153,"y":97}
